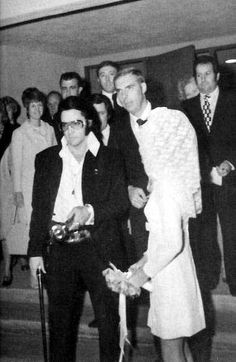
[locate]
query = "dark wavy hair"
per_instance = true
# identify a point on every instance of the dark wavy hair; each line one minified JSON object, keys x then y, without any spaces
{"x":98,"y":98}
{"x":87,"y":110}
{"x":107,"y":63}
{"x":13,"y":104}
{"x":70,"y":76}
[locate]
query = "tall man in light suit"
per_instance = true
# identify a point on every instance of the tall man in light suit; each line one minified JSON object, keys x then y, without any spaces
{"x":213,"y":115}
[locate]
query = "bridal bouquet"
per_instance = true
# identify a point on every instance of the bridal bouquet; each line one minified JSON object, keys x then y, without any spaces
{"x":118,"y":281}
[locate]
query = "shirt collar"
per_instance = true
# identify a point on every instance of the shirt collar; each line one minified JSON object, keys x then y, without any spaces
{"x":106,"y":130}
{"x":144,"y":115}
{"x":108,"y":95}
{"x":93,"y":145}
{"x":213,"y":95}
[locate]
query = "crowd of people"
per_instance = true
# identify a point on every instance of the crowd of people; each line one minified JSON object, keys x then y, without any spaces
{"x":130,"y":185}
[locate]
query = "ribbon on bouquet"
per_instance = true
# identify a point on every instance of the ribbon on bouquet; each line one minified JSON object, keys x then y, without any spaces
{"x":117,"y":281}
{"x":123,"y":325}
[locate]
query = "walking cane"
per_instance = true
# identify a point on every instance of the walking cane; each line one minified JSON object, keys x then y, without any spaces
{"x":42,"y":314}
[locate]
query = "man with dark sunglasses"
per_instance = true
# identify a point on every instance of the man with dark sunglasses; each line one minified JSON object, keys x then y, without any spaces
{"x":80,"y":194}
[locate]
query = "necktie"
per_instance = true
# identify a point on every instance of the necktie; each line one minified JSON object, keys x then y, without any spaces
{"x":141,"y":121}
{"x":207,"y":112}
{"x":114,"y":100}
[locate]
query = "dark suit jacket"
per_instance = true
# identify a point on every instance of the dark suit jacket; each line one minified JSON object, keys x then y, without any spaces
{"x":55,"y":123}
{"x":119,"y":112}
{"x":103,"y":186}
{"x":123,"y":139}
{"x":220,"y":144}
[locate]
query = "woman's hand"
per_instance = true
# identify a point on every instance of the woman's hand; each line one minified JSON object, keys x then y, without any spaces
{"x":133,"y":268}
{"x":138,"y":278}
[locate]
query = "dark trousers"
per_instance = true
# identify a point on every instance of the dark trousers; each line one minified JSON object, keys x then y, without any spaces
{"x":207,"y":258}
{"x":72,"y":269}
{"x":139,"y":232}
{"x":203,"y":240}
{"x":225,"y":203}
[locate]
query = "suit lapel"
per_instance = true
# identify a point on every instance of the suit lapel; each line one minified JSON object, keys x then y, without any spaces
{"x":219,"y":112}
{"x":55,"y":178}
{"x":90,"y":175}
{"x":131,"y":139}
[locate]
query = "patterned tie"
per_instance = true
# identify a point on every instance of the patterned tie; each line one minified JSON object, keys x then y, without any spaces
{"x":207,"y":112}
{"x":141,"y":121}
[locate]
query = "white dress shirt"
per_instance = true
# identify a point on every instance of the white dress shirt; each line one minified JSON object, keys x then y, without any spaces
{"x":133,"y":120}
{"x":109,"y":95}
{"x":70,"y":189}
{"x":105,"y":135}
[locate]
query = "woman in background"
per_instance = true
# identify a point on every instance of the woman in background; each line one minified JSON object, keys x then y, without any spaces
{"x":33,"y":136}
{"x":187,"y":88}
{"x":104,"y":109}
{"x":11,"y":110}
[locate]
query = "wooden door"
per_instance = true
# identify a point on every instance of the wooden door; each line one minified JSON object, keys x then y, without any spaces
{"x":163,"y":73}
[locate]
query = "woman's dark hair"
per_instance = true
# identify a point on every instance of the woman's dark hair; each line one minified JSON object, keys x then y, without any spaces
{"x":3,"y":111}
{"x":98,"y":98}
{"x":11,"y":102}
{"x":87,"y":110}
{"x":32,"y":95}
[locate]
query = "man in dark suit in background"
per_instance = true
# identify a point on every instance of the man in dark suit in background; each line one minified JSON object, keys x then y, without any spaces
{"x":82,"y":181}
{"x":71,"y":84}
{"x":106,"y":72}
{"x":213,"y":115}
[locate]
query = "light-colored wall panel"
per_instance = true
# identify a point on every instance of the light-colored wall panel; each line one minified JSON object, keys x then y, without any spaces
{"x":22,"y":68}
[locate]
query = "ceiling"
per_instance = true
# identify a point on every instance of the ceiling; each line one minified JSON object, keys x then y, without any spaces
{"x":123,"y":26}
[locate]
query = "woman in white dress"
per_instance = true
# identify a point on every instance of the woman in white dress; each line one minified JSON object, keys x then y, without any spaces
{"x":168,"y":147}
{"x":33,"y":136}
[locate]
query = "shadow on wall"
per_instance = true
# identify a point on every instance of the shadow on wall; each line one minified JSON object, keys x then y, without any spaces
{"x":156,"y":94}
{"x":228,"y":77}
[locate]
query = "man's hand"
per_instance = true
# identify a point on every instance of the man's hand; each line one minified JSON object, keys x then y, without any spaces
{"x":224,"y":168}
{"x":35,"y":262}
{"x":137,"y":197}
{"x":79,"y":216}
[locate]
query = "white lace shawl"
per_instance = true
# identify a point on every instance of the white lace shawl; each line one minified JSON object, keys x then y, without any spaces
{"x":168,"y":146}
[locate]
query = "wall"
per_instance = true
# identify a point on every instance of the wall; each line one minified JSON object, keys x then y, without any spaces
{"x":22,"y":68}
{"x":141,"y":53}
{"x":15,"y":11}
